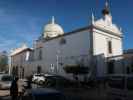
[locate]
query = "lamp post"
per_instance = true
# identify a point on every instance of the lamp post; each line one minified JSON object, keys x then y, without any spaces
{"x":10,"y":60}
{"x":9,"y":64}
{"x":57,"y":61}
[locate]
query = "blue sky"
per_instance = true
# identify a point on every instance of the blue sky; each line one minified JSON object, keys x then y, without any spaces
{"x":23,"y":20}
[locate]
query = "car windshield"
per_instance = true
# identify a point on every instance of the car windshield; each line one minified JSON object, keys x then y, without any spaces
{"x":39,"y":75}
{"x":6,"y":78}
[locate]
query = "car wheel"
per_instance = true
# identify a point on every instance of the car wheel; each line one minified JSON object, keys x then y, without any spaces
{"x":41,"y":82}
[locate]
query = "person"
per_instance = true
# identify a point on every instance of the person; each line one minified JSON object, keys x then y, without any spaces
{"x":21,"y":89}
{"x":14,"y":89}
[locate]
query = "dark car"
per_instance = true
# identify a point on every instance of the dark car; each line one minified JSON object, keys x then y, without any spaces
{"x":44,"y":94}
{"x":59,"y":82}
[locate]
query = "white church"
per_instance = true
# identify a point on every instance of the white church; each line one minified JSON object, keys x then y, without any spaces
{"x":92,"y":46}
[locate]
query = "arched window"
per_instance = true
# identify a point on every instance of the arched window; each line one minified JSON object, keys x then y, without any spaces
{"x":40,"y":54}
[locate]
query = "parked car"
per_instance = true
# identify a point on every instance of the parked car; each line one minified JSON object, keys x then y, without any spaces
{"x":38,"y":78}
{"x":55,"y":81}
{"x":71,"y":89}
{"x":5,"y":81}
{"x":120,"y":87}
{"x":43,"y":94}
{"x":1,"y":74}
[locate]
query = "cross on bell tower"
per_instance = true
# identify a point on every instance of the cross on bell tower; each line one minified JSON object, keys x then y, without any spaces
{"x":106,"y":13}
{"x":106,"y":10}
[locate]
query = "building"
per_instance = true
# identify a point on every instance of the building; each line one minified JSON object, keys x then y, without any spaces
{"x":90,"y":46}
{"x":128,"y":51}
{"x":19,"y":58}
{"x":128,"y":59}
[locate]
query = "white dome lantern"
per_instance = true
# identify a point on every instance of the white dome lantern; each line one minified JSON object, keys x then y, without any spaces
{"x":52,"y":30}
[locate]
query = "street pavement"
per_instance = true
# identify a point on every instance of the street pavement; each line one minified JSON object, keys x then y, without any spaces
{"x":86,"y":94}
{"x":4,"y":93}
{"x":71,"y":94}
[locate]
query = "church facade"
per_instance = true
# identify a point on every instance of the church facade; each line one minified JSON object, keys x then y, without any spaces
{"x":91,"y":46}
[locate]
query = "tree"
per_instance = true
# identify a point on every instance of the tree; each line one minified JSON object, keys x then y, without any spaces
{"x":3,"y":61}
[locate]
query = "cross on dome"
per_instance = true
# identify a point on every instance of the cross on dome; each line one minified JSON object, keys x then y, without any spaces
{"x":53,"y":20}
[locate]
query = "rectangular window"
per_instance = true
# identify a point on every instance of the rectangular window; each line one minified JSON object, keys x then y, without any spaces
{"x":109,"y":47}
{"x":40,"y":54}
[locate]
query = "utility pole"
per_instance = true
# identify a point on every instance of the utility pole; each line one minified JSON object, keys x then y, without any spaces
{"x":57,"y":63}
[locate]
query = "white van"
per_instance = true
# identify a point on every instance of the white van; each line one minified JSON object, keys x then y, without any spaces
{"x":5,"y":81}
{"x":120,"y":87}
{"x":38,"y":78}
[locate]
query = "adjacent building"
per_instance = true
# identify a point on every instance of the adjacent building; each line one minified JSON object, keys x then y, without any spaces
{"x":19,"y":58}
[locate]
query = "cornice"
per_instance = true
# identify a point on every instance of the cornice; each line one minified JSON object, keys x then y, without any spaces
{"x":108,"y":31}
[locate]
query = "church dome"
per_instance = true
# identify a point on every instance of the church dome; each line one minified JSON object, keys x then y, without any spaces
{"x":52,"y":30}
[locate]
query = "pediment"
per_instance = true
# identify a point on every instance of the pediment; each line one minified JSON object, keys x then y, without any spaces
{"x":101,"y":23}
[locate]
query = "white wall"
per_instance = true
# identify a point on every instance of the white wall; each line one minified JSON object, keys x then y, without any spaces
{"x":100,"y":43}
{"x":77,"y":46}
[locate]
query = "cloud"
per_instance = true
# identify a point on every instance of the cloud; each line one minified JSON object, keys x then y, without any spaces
{"x":7,"y":44}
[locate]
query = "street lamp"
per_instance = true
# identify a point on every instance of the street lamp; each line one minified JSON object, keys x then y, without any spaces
{"x":57,"y":61}
{"x":10,"y":60}
{"x":9,"y":64}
